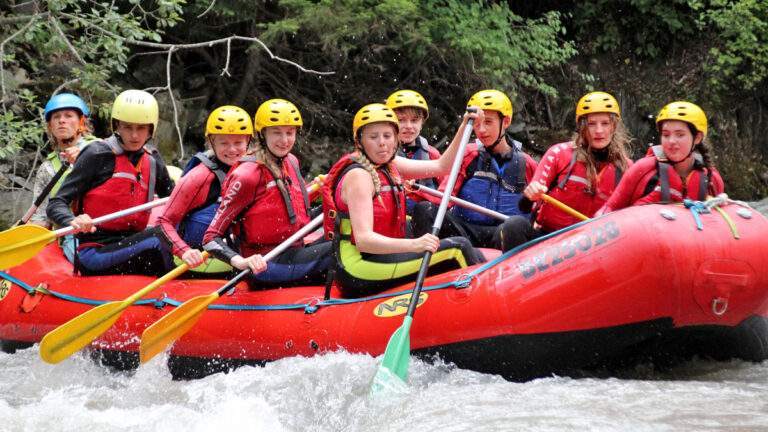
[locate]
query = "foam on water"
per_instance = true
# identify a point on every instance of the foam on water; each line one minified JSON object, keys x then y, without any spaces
{"x":331,"y":393}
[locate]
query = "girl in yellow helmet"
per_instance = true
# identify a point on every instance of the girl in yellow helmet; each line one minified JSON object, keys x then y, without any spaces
{"x":676,"y":169}
{"x":196,"y":197}
{"x":265,"y":201}
{"x":583,"y":172}
{"x":364,"y":209}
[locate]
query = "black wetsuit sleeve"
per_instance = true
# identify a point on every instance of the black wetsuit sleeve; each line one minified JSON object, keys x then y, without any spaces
{"x":219,"y":248}
{"x":93,"y":167}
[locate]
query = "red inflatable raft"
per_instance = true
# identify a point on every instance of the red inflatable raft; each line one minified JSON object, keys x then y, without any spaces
{"x":651,"y":282}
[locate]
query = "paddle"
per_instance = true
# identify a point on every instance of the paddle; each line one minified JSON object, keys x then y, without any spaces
{"x":25,"y":241}
{"x":81,"y":330}
{"x":526,"y":205}
{"x":43,"y":194}
{"x":176,"y":323}
{"x":562,"y":206}
{"x":394,"y":366}
{"x":460,"y":202}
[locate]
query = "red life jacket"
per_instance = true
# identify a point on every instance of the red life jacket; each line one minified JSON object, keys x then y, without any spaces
{"x":572,"y":187}
{"x":388,"y":213}
{"x":129,"y":186}
{"x":276,"y":214}
{"x":662,"y":184}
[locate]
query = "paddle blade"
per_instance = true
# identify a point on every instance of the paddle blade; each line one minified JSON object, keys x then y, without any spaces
{"x":173,"y":326}
{"x":21,"y":243}
{"x":393,"y":371}
{"x":78,"y":332}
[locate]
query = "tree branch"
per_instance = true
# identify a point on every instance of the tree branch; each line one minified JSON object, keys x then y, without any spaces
{"x":210,"y":6}
{"x":210,"y":43}
{"x":173,"y":103}
{"x":55,"y":23}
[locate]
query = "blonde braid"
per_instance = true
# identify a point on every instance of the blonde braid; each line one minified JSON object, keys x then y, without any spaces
{"x":366,"y":163}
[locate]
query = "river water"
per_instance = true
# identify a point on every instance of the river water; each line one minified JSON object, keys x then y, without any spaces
{"x":330,"y":393}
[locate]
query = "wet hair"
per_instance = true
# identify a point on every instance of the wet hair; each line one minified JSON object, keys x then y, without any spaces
{"x":702,"y":147}
{"x":617,"y":148}
{"x":412,"y":111}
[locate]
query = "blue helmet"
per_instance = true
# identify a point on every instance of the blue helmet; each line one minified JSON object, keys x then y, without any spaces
{"x":64,"y":101}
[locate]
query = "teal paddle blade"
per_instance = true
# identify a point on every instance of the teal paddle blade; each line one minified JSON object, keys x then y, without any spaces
{"x":393,"y":371}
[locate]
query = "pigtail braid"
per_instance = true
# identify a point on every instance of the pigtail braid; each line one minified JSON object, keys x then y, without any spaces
{"x":366,"y":163}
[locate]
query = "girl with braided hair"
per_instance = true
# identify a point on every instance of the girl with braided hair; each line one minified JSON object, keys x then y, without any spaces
{"x":674,"y":170}
{"x":364,"y":210}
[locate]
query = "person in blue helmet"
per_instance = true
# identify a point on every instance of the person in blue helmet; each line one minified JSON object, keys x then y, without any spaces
{"x":69,"y":131}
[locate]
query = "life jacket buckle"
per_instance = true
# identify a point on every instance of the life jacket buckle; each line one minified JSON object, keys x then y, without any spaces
{"x":332,"y":214}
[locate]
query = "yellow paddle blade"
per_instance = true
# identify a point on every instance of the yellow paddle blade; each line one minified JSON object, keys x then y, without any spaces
{"x":21,"y":243}
{"x":78,"y":332}
{"x":81,"y":330}
{"x":173,"y":325}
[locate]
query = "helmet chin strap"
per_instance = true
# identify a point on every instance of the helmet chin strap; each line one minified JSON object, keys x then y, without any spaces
{"x":674,"y":163}
{"x":501,"y":135}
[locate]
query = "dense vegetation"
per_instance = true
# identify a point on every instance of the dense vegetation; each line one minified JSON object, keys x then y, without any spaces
{"x":545,"y":54}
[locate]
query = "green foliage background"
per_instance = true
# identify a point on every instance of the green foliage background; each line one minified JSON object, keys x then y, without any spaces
{"x":544,"y":54}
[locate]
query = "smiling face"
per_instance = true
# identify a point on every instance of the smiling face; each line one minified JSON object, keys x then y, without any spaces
{"x":677,"y":139}
{"x":134,"y":135}
{"x":379,"y":140}
{"x":280,"y":139}
{"x":599,"y":130}
{"x":411,"y":120}
{"x":490,"y":127}
{"x":229,"y":148}
{"x":64,"y":125}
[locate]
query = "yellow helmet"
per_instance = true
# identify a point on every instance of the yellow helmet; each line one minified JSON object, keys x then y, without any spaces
{"x":277,"y":112}
{"x":597,"y":102}
{"x":373,"y":113}
{"x":229,"y":119}
{"x":407,"y":99}
{"x":492,"y":100}
{"x":684,"y":111}
{"x":136,"y":106}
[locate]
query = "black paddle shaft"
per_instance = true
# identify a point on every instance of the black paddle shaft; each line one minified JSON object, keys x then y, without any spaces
{"x":440,"y":215}
{"x":47,"y":190}
{"x":227,"y":286}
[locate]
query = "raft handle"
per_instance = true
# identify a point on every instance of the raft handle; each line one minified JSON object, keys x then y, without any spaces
{"x":719,"y":306}
{"x":463,"y":281}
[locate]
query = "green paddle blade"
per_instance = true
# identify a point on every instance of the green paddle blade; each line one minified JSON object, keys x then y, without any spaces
{"x":173,"y":325}
{"x":393,"y":371}
{"x":78,"y":332}
{"x":21,"y":243}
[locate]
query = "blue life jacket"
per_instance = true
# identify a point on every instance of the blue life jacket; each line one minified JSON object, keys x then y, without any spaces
{"x":492,"y":186}
{"x":192,"y":228}
{"x":421,"y":153}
